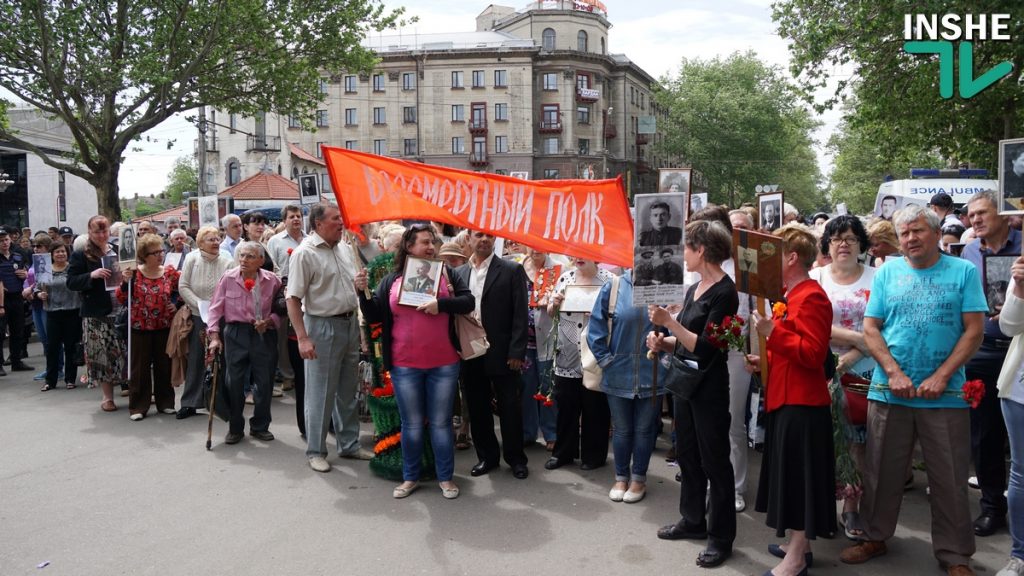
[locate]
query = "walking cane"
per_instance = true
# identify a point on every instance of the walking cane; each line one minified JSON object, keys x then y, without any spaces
{"x":213,"y":400}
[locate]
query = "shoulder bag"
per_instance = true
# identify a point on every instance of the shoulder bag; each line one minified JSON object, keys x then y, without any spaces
{"x":472,"y":336}
{"x":591,"y":370}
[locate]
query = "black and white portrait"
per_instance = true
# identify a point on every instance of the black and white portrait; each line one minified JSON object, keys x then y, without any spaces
{"x":674,"y":180}
{"x":420,"y":281}
{"x":698,"y":201}
{"x":997,"y":280}
{"x":309,"y":188}
{"x":886,"y":206}
{"x":43,"y":267}
{"x":208,"y":211}
{"x":126,"y":245}
{"x":660,"y":219}
{"x":769,"y":206}
{"x":1011,"y":176}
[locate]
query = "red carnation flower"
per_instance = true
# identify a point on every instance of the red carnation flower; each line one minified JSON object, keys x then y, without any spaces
{"x":548,"y":403}
{"x":249,"y":284}
{"x":290,"y":251}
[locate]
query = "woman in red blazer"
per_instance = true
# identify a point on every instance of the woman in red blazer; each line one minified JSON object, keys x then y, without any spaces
{"x":797,"y":485}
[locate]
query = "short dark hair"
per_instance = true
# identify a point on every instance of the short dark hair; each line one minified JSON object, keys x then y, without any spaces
{"x":714,"y":214}
{"x":889,"y":197}
{"x":659,"y":204}
{"x":318,"y":212}
{"x":840,"y":224}
{"x":408,"y":238}
{"x":288,"y":208}
{"x":713,"y":237}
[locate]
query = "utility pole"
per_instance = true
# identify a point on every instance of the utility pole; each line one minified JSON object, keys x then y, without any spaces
{"x":201,"y":189}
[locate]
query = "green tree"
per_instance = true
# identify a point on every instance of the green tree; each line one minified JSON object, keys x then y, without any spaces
{"x":740,"y":123}
{"x":184,"y":178}
{"x":898,"y":93}
{"x":112,"y":69}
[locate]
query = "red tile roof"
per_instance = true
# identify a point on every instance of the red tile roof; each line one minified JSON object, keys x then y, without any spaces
{"x":179,"y":211}
{"x":303,"y":155}
{"x":263,"y":186}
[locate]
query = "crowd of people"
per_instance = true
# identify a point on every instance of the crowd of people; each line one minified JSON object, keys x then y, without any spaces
{"x":880,"y":331}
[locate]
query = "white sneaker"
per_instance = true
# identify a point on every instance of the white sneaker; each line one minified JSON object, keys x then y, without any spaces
{"x":972,"y":482}
{"x":741,"y":503}
{"x":1014,"y":568}
{"x":320,"y":464}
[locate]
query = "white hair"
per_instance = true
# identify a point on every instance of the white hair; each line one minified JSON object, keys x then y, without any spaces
{"x":79,"y":243}
{"x":790,"y":210}
{"x":177,"y":232}
{"x":227,"y":219}
{"x":248,"y":246}
{"x":912,"y":212}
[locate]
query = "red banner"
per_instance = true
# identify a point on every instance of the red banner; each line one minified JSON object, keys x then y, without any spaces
{"x":584,"y":218}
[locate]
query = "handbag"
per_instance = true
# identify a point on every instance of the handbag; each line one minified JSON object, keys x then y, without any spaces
{"x":470,"y":332}
{"x":591,"y":370}
{"x":855,"y":389}
{"x":121,"y":318}
{"x":684,"y":376}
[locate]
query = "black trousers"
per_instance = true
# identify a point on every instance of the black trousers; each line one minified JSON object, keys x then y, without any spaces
{"x":507,"y":389}
{"x":298,"y":365}
{"x":14,"y":314}
{"x":988,"y":432}
{"x":702,"y":449}
{"x":249,"y":356}
{"x":64,"y":332}
{"x":581,"y":429}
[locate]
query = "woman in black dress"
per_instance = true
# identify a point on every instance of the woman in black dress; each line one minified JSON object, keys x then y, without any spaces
{"x":702,"y":422}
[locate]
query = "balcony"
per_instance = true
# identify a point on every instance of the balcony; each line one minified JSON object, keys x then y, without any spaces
{"x":257,"y":143}
{"x":478,"y":159}
{"x":587,"y":95}
{"x":610,"y":131}
{"x":478,"y":126}
{"x":550,"y":127}
{"x":642,"y":139}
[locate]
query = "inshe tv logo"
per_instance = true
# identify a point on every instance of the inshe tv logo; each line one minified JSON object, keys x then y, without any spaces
{"x":934,"y":34}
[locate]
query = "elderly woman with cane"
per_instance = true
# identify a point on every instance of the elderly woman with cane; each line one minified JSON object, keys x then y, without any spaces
{"x":243,"y":300}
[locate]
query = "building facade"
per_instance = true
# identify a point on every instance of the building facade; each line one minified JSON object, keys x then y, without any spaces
{"x":532,"y":92}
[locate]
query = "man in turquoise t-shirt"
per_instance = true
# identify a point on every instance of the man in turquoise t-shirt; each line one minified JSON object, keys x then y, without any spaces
{"x":923,"y":322}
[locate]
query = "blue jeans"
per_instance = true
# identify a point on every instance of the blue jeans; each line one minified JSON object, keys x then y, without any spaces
{"x":1013,"y":414}
{"x":634,"y":425}
{"x":425,"y":398}
{"x":535,"y":414}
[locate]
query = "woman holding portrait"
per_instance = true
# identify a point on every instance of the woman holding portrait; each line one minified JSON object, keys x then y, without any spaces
{"x":702,"y":421}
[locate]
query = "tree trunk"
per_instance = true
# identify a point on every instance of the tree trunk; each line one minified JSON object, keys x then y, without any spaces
{"x":108,"y":201}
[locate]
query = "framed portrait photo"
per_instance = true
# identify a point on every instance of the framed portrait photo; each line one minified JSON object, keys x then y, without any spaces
{"x":126,"y":249}
{"x":758,"y":258}
{"x":996,"y":270}
{"x":420,"y":281}
{"x":43,"y":266}
{"x":309,"y":189}
{"x":1011,"y":176}
{"x":769,"y":209}
{"x":580,"y":298}
{"x":208,"y":211}
{"x":660,"y":219}
{"x":674,"y":180}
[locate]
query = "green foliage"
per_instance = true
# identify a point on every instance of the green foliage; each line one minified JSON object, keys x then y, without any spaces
{"x":898,"y":93}
{"x":112,"y":69}
{"x":184,"y":178}
{"x":740,"y":123}
{"x":145,"y":208}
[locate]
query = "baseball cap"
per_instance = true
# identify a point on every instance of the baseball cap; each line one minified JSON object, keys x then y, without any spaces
{"x":3,"y":231}
{"x":65,"y":231}
{"x":953,"y":229}
{"x":942,"y":200}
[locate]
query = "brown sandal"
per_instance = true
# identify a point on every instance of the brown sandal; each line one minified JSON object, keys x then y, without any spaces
{"x":108,"y":406}
{"x":462,"y":441}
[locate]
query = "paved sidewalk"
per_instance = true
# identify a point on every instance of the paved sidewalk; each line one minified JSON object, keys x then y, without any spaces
{"x":93,"y":493}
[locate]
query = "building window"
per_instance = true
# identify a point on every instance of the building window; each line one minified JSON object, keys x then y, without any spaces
{"x":549,"y":116}
{"x":551,"y":173}
{"x":550,"y":81}
{"x":350,"y":145}
{"x":602,"y":45}
{"x":350,"y":117}
{"x":583,"y":145}
{"x":321,"y":119}
{"x":501,"y":144}
{"x":458,"y":145}
{"x":319,"y":149}
{"x":234,"y":172}
{"x":478,"y":115}
{"x":325,"y":183}
{"x":409,"y":147}
{"x":583,"y":113}
{"x":379,"y":116}
{"x":501,"y":172}
{"x":501,"y":112}
{"x":583,"y":81}
{"x":350,"y":84}
{"x":478,"y":78}
{"x":324,"y":86}
{"x":380,"y":147}
{"x":551,"y":145}
{"x":378,"y":82}
{"x":293,"y":121}
{"x":457,"y":80}
{"x":479,"y":147}
{"x":581,"y":41}
{"x":233,"y":122}
{"x":548,"y":39}
{"x":501,"y":78}
{"x":458,"y":113}
{"x":409,"y":114}
{"x":408,"y":81}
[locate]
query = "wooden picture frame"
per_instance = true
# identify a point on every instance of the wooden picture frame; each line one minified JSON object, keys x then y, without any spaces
{"x":995,"y":271}
{"x":1011,"y":176}
{"x":776,"y":202}
{"x":579,"y":298}
{"x":675,"y":180}
{"x":420,"y":281}
{"x":758,"y":259}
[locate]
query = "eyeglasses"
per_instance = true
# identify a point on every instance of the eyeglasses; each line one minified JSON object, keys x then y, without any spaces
{"x":155,"y":253}
{"x":848,"y":240}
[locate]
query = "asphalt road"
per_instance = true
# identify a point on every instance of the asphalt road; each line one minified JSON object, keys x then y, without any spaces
{"x":92,"y":493}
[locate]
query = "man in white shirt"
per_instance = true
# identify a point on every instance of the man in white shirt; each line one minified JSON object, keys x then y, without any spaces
{"x":232,"y":226}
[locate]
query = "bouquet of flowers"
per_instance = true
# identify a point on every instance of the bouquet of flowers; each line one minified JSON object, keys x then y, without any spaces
{"x":728,"y":334}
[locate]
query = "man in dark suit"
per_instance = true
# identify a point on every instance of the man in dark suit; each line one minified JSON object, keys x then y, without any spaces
{"x":499,"y":287}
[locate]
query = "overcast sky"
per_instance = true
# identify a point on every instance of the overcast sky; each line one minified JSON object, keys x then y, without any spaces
{"x":656,"y":37}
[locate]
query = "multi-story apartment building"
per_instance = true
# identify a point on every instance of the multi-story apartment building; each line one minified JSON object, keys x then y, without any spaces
{"x":532,"y":91}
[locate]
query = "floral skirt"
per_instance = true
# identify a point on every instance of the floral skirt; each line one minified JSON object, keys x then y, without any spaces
{"x":104,"y":352}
